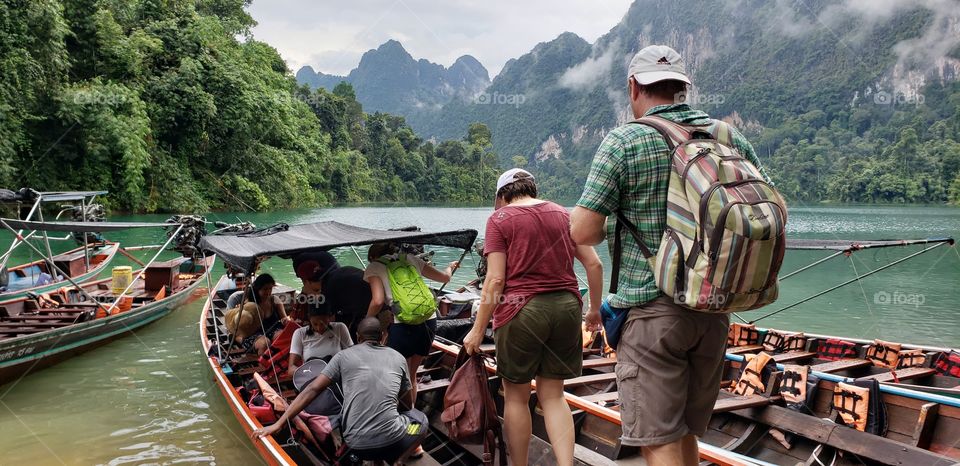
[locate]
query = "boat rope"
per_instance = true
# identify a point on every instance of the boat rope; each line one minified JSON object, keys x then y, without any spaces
{"x":833,"y":288}
{"x":362,"y":262}
{"x":801,"y":269}
{"x":863,"y":291}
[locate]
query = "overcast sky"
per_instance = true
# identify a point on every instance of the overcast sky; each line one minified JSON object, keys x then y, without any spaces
{"x":331,"y":35}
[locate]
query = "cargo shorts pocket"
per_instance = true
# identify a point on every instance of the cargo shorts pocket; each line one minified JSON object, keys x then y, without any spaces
{"x":627,"y":386}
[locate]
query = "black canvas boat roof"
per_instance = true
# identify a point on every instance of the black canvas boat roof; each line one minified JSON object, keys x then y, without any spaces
{"x":853,"y":245}
{"x":242,"y":250}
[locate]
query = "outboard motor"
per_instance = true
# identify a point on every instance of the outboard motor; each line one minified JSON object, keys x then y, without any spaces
{"x":90,"y":213}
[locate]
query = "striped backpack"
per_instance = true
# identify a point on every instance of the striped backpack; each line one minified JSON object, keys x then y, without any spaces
{"x":724,"y":240}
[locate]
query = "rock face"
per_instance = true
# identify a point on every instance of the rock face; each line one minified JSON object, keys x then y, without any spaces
{"x":389,"y":79}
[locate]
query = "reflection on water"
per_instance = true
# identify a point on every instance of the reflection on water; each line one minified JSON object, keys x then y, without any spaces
{"x":150,"y":398}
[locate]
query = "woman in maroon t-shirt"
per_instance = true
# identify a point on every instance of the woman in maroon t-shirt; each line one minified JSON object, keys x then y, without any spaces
{"x":531,"y":293}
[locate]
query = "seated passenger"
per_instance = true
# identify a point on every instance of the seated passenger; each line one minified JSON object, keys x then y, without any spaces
{"x":341,"y":289}
{"x":240,"y":282}
{"x":322,"y":339}
{"x":413,"y":341}
{"x":261,"y":314}
{"x":375,"y":381}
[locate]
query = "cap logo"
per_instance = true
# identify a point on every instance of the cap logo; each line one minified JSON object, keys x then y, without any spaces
{"x":663,"y":61}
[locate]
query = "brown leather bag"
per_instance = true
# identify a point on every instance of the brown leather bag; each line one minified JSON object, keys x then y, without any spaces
{"x":469,"y":411}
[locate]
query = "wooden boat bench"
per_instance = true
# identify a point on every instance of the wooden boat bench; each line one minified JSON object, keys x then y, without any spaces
{"x":840,"y":365}
{"x":602,"y":397}
{"x":729,"y":402}
{"x":876,"y":448}
{"x":590,"y":379}
{"x":901,"y":374}
{"x":596,"y":363}
{"x":744,"y":349}
{"x":793,"y":356}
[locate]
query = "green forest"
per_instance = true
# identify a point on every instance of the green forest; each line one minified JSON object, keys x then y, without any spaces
{"x":172,"y":106}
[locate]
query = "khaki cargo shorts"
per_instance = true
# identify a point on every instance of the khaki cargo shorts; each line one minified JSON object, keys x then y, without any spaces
{"x":669,"y":364}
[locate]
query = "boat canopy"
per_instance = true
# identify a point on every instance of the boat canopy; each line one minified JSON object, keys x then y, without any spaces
{"x":851,"y":245}
{"x":80,"y":227}
{"x":243,"y":249}
{"x":28,"y":195}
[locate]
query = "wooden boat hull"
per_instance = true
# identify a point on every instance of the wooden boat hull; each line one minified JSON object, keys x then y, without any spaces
{"x":26,"y":354}
{"x":110,"y":250}
{"x":271,"y":452}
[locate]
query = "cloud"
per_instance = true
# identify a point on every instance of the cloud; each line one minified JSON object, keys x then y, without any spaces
{"x":591,"y":72}
{"x":324,"y":34}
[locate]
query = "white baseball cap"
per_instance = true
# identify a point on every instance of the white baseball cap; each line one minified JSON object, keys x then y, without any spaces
{"x":509,"y":176}
{"x":657,"y":63}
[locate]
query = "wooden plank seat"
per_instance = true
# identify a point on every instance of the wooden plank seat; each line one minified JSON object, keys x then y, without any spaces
{"x":602,"y":398}
{"x":22,"y":318}
{"x":901,"y":374}
{"x":744,"y":349}
{"x":590,"y":379}
{"x":793,"y":356}
{"x":865,"y":445}
{"x":730,"y":402}
{"x":840,"y":365}
{"x":596,"y":363}
{"x":12,"y":325}
{"x":432,"y":385}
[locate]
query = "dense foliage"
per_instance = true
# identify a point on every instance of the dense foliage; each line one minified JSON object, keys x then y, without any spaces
{"x":172,"y":106}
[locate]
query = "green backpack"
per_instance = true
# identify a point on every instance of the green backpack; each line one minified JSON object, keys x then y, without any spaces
{"x":413,"y":302}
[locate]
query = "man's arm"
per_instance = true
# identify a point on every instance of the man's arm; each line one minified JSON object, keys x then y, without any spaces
{"x":303,"y":400}
{"x":601,"y":193}
{"x":587,"y":227}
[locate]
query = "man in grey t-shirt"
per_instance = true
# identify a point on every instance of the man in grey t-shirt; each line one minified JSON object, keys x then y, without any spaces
{"x":375,"y":382}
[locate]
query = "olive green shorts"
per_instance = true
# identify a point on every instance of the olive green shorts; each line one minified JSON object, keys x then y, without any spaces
{"x":544,"y":339}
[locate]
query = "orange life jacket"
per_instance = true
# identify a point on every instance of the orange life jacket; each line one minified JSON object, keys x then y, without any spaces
{"x":751,"y":379}
{"x":948,"y":364}
{"x":783,"y":342}
{"x":833,"y":349}
{"x":884,"y":354}
{"x":742,"y":335}
{"x":793,"y":386}
{"x":911,"y":358}
{"x":853,"y":404}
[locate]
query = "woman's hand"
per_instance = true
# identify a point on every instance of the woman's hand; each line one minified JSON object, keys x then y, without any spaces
{"x":454,"y":265}
{"x":593,"y":320}
{"x":473,"y":340}
{"x":265,"y":431}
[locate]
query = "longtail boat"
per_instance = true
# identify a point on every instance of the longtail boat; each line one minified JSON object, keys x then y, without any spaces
{"x":40,"y":330}
{"x":234,"y":369}
{"x":79,"y":264}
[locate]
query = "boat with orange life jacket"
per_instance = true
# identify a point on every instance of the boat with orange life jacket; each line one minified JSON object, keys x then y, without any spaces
{"x":256,"y":386}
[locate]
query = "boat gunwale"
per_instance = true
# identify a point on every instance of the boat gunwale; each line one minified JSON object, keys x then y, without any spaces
{"x":9,"y":296}
{"x":269,"y":449}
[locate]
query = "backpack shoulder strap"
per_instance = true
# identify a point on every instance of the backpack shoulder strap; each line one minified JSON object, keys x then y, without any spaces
{"x":623,"y":223}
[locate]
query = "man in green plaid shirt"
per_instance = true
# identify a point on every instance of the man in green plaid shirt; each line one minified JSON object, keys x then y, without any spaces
{"x":669,"y":359}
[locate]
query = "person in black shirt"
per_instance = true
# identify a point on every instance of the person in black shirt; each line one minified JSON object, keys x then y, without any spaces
{"x":342,"y":290}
